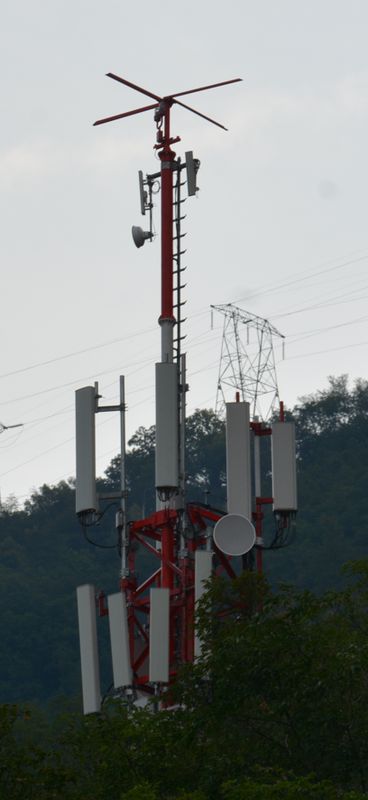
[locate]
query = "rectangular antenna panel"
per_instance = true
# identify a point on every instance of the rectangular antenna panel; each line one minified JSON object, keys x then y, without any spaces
{"x":238,"y":462}
{"x":142,"y":193}
{"x":167,"y":426}
{"x":191,"y":173}
{"x":159,"y":636}
{"x":284,"y":489}
{"x":257,"y":466}
{"x":203,"y":571}
{"x":85,"y":487}
{"x":119,"y":638}
{"x":88,"y":649}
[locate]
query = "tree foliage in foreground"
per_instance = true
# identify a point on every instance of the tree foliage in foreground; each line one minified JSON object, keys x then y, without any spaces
{"x":284,"y":679}
{"x":276,"y":708}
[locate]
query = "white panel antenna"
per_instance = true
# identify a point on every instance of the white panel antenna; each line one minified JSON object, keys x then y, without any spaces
{"x":85,"y":489}
{"x":284,"y":487}
{"x":88,"y":649}
{"x":167,"y":429}
{"x":119,"y":638}
{"x":238,"y":462}
{"x":203,"y":571}
{"x":159,"y":636}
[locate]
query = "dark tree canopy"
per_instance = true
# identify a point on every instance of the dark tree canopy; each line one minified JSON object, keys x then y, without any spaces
{"x":276,"y":708}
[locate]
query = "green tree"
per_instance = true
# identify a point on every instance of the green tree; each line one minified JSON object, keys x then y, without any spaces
{"x":283,"y":681}
{"x":285,"y":787}
{"x":205,"y":457}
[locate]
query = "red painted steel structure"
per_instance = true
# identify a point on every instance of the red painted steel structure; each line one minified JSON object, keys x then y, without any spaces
{"x":179,"y":574}
{"x":160,"y":533}
{"x":162,"y":108}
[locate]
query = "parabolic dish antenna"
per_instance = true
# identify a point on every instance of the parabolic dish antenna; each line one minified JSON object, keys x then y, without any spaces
{"x":234,"y":535}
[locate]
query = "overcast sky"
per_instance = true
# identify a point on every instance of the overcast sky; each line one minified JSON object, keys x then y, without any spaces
{"x":279,"y":227}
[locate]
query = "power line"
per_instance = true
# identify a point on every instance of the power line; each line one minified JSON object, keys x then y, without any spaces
{"x":72,"y":383}
{"x":280,"y":286}
{"x":323,"y":297}
{"x":329,"y":350}
{"x":148,"y":330}
{"x":45,"y":452}
{"x":76,"y":353}
{"x":109,"y":342}
{"x":63,"y":411}
{"x":320,"y":305}
{"x":38,"y":455}
{"x":317,"y":331}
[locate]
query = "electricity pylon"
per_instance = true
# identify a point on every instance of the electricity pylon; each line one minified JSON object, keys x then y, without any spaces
{"x":247,"y":362}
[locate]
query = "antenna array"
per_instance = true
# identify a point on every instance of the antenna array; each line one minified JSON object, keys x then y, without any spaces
{"x":152,"y":622}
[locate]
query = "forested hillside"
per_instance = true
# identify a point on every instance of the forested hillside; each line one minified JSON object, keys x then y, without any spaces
{"x":44,"y":554}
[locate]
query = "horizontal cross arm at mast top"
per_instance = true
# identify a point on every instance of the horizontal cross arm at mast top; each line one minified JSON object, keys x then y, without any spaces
{"x":124,"y":114}
{"x":202,"y":88}
{"x":166,"y":101}
{"x":189,"y":108}
{"x":133,"y":86}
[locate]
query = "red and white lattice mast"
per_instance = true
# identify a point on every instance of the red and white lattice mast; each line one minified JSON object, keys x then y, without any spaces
{"x":152,"y":624}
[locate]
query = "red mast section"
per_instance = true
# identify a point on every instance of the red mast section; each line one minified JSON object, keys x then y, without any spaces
{"x":160,"y":533}
{"x":162,"y":108}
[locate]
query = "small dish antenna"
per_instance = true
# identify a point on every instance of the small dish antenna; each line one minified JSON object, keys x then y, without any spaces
{"x":234,"y":535}
{"x":140,"y":236}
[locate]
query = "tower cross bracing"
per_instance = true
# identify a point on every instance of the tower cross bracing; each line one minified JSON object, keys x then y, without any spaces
{"x":247,"y":362}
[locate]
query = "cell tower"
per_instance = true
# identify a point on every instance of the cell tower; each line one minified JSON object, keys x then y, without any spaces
{"x":247,"y":362}
{"x":152,"y":623}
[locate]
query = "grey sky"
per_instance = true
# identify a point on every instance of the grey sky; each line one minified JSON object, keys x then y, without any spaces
{"x":283,"y":197}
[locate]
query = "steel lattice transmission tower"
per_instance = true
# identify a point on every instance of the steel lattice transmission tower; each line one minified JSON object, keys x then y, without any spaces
{"x":247,"y":362}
